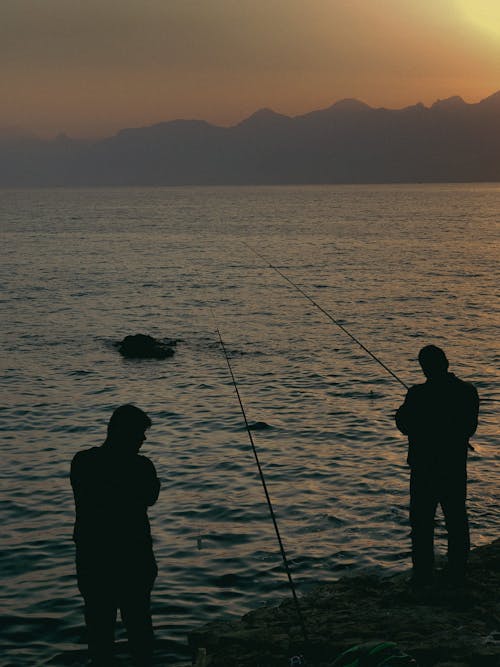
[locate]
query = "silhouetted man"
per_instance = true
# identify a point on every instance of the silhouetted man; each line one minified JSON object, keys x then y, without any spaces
{"x":438,"y":417}
{"x":113,"y":486}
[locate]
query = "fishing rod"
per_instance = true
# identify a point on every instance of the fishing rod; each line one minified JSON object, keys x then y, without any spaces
{"x":341,"y":326}
{"x":264,"y":485}
{"x":329,"y":315}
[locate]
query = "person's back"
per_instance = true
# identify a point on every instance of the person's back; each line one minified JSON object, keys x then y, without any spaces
{"x":112,"y":494}
{"x":113,"y":486}
{"x":438,"y":416}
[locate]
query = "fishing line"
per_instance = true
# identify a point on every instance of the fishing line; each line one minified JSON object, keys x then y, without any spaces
{"x":329,"y":315}
{"x":262,"y":479}
{"x":341,"y":326}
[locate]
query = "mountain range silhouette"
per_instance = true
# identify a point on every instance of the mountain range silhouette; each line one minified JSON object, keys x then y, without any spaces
{"x":348,"y":142}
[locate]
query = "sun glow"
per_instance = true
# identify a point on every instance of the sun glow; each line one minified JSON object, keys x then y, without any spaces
{"x":483,"y":14}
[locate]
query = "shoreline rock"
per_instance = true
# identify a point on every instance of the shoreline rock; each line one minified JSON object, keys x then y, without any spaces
{"x":440,"y":626}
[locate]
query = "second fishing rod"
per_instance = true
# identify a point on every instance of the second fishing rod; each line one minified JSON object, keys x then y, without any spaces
{"x":340,"y":325}
{"x":264,"y":485}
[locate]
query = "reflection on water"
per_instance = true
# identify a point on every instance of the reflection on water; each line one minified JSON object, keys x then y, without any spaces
{"x":400,"y":266}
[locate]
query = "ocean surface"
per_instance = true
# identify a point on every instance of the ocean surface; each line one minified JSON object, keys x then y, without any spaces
{"x":399,"y":266}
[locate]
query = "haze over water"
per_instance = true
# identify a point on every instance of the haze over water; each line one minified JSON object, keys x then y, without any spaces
{"x":399,"y":266}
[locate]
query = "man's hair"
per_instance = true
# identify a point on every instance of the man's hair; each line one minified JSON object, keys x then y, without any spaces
{"x":433,"y":360}
{"x":127,"y":418}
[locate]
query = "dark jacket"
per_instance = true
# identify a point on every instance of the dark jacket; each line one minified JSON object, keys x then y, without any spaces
{"x":112,"y":494}
{"x":439,"y":417}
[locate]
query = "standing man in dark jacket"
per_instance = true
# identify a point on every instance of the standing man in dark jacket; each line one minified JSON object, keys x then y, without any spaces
{"x":113,"y":486}
{"x":438,"y":417}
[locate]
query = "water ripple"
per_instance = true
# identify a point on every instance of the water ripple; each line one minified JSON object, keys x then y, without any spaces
{"x":398,"y":266}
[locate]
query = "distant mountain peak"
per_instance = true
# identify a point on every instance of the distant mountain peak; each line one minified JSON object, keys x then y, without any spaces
{"x":265,"y":112}
{"x":449,"y":104}
{"x":419,"y":106}
{"x":262,"y":116}
{"x":350,"y":104}
{"x":492,"y":100}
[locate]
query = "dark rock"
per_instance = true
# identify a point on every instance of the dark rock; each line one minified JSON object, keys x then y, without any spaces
{"x":440,"y":627}
{"x":259,"y":426}
{"x":142,"y":346}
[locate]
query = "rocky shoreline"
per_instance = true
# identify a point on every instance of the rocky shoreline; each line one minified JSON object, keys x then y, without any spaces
{"x":442,"y":626}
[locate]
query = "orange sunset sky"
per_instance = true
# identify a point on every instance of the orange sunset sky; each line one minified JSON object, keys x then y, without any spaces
{"x":91,"y":67}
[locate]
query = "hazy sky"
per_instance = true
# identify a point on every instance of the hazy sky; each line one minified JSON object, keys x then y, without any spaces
{"x":90,"y":67}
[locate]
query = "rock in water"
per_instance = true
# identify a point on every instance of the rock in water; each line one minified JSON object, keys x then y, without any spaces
{"x":142,"y":346}
{"x":259,"y":426}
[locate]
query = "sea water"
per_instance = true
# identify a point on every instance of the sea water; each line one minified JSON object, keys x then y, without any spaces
{"x":398,"y":266}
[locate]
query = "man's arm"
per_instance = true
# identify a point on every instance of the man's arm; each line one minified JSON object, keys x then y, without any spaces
{"x":404,"y":415}
{"x":155,"y":491}
{"x":151,"y":487}
{"x":473,"y":414}
{"x":77,"y":474}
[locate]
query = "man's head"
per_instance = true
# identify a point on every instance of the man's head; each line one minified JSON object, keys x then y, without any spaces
{"x":127,"y":428}
{"x":433,"y":361}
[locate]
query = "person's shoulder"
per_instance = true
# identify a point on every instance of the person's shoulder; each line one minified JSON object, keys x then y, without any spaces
{"x":417,"y":389}
{"x":85,"y":456}
{"x":464,"y":385}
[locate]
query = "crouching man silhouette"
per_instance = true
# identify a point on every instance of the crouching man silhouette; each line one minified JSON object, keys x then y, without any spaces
{"x":438,"y":416}
{"x":113,"y":486}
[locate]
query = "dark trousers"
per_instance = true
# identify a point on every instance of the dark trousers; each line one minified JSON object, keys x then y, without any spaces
{"x":428,"y":488}
{"x":105,"y":589}
{"x":100,"y":618}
